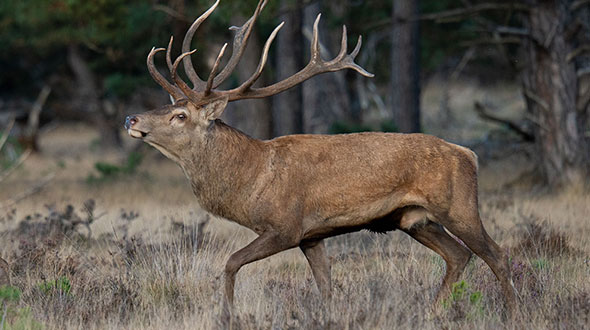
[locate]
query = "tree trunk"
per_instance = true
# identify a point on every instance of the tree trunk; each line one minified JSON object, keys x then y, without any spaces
{"x":405,"y":61}
{"x":287,"y":109}
{"x":179,"y":26}
{"x":550,"y":87}
{"x":87,"y":100}
{"x":583,"y":73}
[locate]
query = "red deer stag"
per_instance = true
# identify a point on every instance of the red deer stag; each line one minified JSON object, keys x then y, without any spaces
{"x":297,"y":190}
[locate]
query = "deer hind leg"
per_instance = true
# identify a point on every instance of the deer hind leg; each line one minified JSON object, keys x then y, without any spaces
{"x":263,"y":246}
{"x":471,"y":231}
{"x":456,"y":256}
{"x":315,"y":252}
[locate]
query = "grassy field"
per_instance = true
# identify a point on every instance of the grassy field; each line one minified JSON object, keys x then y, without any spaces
{"x":131,"y":249}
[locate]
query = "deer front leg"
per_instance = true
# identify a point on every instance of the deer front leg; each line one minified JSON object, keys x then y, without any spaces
{"x":315,"y":252}
{"x":263,"y":246}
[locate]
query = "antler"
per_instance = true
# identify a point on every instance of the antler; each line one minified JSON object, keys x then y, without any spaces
{"x":205,"y":91}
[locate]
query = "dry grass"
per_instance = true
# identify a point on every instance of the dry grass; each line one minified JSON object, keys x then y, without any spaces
{"x":155,"y":261}
{"x":171,"y":278}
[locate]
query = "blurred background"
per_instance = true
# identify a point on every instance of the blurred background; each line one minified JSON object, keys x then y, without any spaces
{"x":99,"y":230}
{"x":499,"y":77}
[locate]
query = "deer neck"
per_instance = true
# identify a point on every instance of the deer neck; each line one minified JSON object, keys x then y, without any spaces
{"x":223,"y":169}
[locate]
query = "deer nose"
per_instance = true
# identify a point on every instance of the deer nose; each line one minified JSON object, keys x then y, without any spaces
{"x":130,"y":121}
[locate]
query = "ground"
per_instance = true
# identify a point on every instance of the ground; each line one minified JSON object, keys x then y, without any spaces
{"x":152,"y":259}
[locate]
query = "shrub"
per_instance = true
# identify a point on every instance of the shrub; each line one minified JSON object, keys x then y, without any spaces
{"x":540,"y":240}
{"x":107,"y":171}
{"x":463,"y":302}
{"x":60,"y":286}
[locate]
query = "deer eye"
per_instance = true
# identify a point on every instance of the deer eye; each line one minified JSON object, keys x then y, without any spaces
{"x":180,"y":116}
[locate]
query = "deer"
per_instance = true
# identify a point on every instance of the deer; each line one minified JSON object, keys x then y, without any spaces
{"x":297,"y":190}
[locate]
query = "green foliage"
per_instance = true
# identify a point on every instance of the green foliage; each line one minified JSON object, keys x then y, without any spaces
{"x":15,"y":318}
{"x":458,"y":290}
{"x":10,"y":152}
{"x":115,"y":35}
{"x":463,"y":300}
{"x":21,"y":319}
{"x":340,"y":127}
{"x":123,"y":85}
{"x":540,"y":263}
{"x":9,"y":294}
{"x":108,"y":171}
{"x":61,"y":285}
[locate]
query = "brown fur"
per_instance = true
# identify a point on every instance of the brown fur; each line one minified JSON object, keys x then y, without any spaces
{"x":296,"y":190}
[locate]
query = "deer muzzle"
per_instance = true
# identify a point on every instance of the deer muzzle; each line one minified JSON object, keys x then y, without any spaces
{"x":133,"y":131}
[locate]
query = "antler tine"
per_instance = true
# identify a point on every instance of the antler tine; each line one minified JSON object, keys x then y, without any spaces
{"x":357,"y":48}
{"x":343,"y":44}
{"x":205,"y":91}
{"x":214,"y":70}
{"x":171,"y":89}
{"x":198,"y":83}
{"x":315,"y":66}
{"x":239,"y":45}
{"x":168,"y":50}
{"x":248,"y":83}
{"x":349,"y":60}
{"x":188,"y":92}
{"x":315,"y":40}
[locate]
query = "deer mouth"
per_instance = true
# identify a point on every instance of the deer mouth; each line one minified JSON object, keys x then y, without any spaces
{"x":136,"y":133}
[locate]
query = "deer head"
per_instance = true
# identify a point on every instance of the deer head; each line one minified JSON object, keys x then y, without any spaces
{"x":174,"y":127}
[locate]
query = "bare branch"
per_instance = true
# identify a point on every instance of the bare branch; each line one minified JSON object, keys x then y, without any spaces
{"x":577,"y":52}
{"x":464,"y":60}
{"x":551,"y":35}
{"x":16,"y":164}
{"x":461,"y":13}
{"x":30,"y":191}
{"x":6,"y":132}
{"x":481,"y":111}
{"x":491,"y":41}
{"x":536,"y":98}
{"x":512,"y":30}
{"x":32,"y":128}
{"x":583,"y":72}
{"x":171,"y":12}
{"x":579,"y":4}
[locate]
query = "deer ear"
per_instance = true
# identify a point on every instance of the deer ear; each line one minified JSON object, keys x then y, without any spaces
{"x":214,"y":109}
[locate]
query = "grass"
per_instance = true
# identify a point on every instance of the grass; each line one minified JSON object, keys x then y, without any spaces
{"x":170,"y":274}
{"x":142,"y":255}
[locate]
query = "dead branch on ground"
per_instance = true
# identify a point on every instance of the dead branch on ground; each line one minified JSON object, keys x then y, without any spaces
{"x":516,"y":128}
{"x":38,"y":186}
